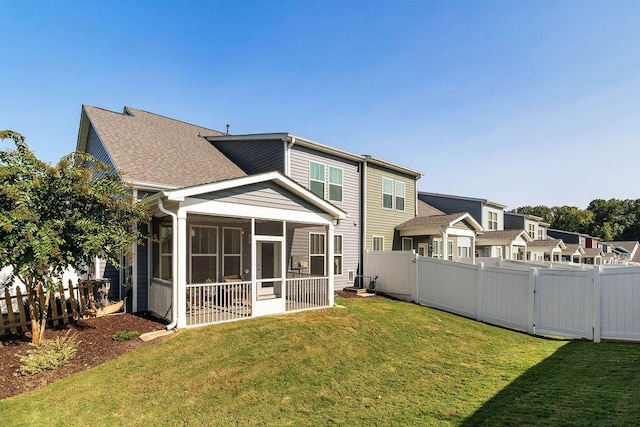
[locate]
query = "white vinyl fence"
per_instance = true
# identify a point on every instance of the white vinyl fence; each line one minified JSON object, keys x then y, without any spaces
{"x":594,"y":303}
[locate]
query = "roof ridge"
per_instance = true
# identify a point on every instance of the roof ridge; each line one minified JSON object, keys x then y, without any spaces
{"x":126,"y":107}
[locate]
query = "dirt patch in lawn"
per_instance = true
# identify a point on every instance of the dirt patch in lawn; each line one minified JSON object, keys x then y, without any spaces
{"x":97,"y":346}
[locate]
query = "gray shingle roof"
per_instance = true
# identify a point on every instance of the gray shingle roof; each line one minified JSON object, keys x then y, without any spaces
{"x":500,"y":234}
{"x":149,"y":148}
{"x":545,"y":243}
{"x":431,"y":220}
{"x":425,"y":209}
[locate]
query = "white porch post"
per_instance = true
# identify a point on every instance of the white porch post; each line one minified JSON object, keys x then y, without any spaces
{"x":254,"y":267}
{"x":473,"y":249}
{"x":330,"y":249}
{"x":283,"y":266}
{"x":181,"y":279}
{"x":445,"y":245}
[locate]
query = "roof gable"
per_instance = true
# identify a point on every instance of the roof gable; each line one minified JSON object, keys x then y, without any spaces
{"x":147,"y":148}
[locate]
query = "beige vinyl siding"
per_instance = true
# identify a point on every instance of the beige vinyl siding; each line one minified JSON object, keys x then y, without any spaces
{"x":462,"y":225}
{"x":382,"y":221}
{"x":349,"y":228}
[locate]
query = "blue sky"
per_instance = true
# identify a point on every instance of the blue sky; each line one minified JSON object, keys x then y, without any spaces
{"x":520,"y":102}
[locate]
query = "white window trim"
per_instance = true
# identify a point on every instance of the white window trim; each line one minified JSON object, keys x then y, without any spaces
{"x":351,"y":276}
{"x":341,"y":185}
{"x":373,"y":246}
{"x":224,"y":252}
{"x":395,"y":196}
{"x":324,"y":178}
{"x":323,"y":255}
{"x":191,"y":255}
{"x":436,"y":248}
{"x":392,"y":193}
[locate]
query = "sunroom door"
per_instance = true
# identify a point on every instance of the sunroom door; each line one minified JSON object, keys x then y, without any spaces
{"x":269,"y":277}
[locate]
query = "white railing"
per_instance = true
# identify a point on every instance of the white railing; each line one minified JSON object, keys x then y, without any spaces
{"x":305,"y":293}
{"x":218,"y":302}
{"x":160,"y":297}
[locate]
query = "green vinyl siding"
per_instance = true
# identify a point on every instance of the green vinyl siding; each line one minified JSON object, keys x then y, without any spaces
{"x":381,"y":213}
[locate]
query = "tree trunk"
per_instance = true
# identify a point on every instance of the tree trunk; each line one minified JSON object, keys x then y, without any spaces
{"x":35,"y":327}
{"x":44,"y":315}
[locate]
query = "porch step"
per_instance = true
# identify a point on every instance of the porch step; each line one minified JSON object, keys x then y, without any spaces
{"x":361,"y":292}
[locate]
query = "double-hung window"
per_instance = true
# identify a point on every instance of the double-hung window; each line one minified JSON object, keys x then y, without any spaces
{"x":316,"y":178}
{"x":399,"y":196}
{"x":204,"y":254}
{"x":393,"y":194}
{"x":316,"y":254}
{"x":493,"y":220}
{"x":387,"y":193}
{"x":335,"y":184}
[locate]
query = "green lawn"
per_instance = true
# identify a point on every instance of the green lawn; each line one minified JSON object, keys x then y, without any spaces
{"x":376,"y":362}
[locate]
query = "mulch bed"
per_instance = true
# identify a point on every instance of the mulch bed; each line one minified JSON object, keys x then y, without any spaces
{"x":97,"y":346}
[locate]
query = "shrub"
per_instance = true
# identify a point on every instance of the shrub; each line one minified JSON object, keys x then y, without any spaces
{"x":50,"y":355}
{"x":125,"y":335}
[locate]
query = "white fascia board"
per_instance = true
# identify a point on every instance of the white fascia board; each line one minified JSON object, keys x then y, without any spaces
{"x":213,"y":207}
{"x":475,"y":224}
{"x":281,"y":180}
{"x":249,"y":137}
{"x":392,"y":166}
{"x":434,"y":231}
{"x":327,"y":149}
{"x":148,"y":186}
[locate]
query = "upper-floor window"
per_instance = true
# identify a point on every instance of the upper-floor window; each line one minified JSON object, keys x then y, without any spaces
{"x":335,"y":184}
{"x":316,"y":178}
{"x":393,"y":194}
{"x":493,"y":220}
{"x":399,"y":196}
{"x":540,"y":234}
{"x":387,"y":193}
{"x":532,"y":231}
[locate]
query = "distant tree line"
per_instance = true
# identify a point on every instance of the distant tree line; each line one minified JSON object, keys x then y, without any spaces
{"x":607,"y":219}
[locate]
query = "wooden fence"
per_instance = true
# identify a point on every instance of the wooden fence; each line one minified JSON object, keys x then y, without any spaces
{"x":65,"y":305}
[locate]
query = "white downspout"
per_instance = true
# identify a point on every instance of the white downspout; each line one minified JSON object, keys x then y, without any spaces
{"x":174,"y":265}
{"x":287,"y":155}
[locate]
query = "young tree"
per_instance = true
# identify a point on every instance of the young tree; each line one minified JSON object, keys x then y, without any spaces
{"x":58,"y":217}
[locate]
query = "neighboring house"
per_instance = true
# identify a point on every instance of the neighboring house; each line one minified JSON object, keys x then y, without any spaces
{"x":545,"y":250}
{"x":573,"y":253}
{"x":593,"y":256}
{"x":624,"y":250}
{"x":389,"y":199}
{"x":535,"y":227}
{"x":439,"y":235}
{"x":507,"y":244}
{"x":488,"y":214}
{"x":226,"y":243}
{"x":582,"y":239}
